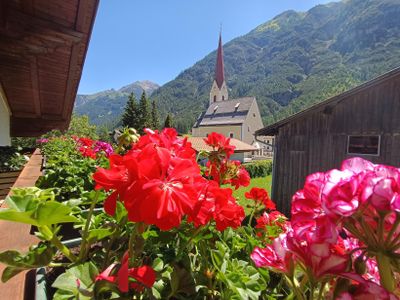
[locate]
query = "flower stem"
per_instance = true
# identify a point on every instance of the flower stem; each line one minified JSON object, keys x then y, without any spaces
{"x":83,"y":250}
{"x":392,"y":231}
{"x":60,"y":246}
{"x":385,"y":271}
{"x":252,"y":215}
{"x":321,"y":291}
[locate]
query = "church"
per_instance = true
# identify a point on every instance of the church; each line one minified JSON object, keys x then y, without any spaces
{"x":235,"y":118}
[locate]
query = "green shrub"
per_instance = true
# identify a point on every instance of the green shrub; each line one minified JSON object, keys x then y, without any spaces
{"x":11,"y":159}
{"x":260,"y":168}
{"x":66,"y":170}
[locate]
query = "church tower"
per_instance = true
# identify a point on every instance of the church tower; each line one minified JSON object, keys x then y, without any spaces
{"x":219,"y":90}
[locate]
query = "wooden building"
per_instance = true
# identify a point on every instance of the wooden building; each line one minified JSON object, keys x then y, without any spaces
{"x":364,"y":122}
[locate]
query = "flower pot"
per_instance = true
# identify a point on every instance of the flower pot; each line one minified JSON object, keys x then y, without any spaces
{"x":43,"y":282}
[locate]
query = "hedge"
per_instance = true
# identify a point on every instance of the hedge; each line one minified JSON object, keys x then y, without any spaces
{"x":259,"y":168}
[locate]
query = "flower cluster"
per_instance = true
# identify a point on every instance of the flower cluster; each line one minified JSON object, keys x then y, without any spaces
{"x":89,"y":148}
{"x":261,"y":196}
{"x":344,"y":223}
{"x":219,"y":167}
{"x":159,"y":183}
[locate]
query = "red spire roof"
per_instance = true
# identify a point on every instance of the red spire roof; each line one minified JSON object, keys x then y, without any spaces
{"x":219,"y":68}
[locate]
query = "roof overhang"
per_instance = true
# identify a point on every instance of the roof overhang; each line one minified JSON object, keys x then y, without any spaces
{"x":43,"y":45}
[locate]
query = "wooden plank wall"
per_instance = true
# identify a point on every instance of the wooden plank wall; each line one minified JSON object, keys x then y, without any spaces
{"x":318,"y":140}
{"x":7,"y":180}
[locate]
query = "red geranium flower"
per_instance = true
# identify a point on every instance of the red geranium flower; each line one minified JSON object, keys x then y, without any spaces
{"x":218,"y":204}
{"x":261,"y":195}
{"x":144,"y":276}
{"x":156,"y":185}
{"x":220,"y":144}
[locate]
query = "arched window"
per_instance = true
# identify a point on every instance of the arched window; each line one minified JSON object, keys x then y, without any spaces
{"x":215,"y":98}
{"x":223,"y":98}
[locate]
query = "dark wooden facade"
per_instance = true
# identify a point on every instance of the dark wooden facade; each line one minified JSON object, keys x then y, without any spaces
{"x":317,"y":138}
{"x":43,"y":44}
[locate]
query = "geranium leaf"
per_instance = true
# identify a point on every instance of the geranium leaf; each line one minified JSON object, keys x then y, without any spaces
{"x":10,"y":272}
{"x":77,"y":281}
{"x":99,"y":234}
{"x":16,"y":216}
{"x":37,"y":256}
{"x":53,"y":212}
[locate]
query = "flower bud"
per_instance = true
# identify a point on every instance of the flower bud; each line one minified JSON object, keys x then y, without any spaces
{"x":209,"y":274}
{"x":359,"y":265}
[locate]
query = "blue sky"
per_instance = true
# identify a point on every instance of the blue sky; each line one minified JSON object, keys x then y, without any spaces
{"x":157,"y":39}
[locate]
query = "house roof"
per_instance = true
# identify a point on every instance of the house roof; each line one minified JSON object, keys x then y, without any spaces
{"x":43,"y":46}
{"x":329,"y":103}
{"x":229,"y":112}
{"x":199,"y":144}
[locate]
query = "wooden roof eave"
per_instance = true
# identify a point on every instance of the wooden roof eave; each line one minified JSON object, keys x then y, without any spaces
{"x":30,"y":35}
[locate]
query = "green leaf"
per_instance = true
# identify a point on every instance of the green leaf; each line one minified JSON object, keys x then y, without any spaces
{"x":37,"y":256}
{"x":53,"y":212}
{"x":120,"y":212}
{"x":149,"y":233}
{"x":158,"y":264}
{"x":10,"y":272}
{"x":21,"y":217}
{"x":103,"y":286}
{"x":36,"y":207}
{"x":67,"y":282}
{"x":99,"y":234}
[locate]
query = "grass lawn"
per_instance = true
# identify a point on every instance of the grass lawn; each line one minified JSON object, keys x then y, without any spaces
{"x":261,"y":182}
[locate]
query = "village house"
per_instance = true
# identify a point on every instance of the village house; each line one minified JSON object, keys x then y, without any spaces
{"x":364,"y":122}
{"x":235,"y":118}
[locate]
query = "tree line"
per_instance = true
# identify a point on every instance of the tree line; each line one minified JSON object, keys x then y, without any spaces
{"x":143,"y":114}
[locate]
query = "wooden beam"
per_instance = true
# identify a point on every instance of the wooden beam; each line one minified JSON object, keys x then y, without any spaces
{"x":80,"y":24}
{"x":75,"y":71}
{"x":33,"y":127}
{"x":35,"y":85}
{"x":21,"y":24}
{"x":72,"y":83}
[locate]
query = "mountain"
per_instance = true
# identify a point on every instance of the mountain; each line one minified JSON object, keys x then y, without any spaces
{"x":294,"y":60}
{"x":106,"y":107}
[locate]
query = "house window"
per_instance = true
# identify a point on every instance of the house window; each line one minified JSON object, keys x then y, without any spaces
{"x":231,"y":134}
{"x":215,"y":98}
{"x":364,"y":144}
{"x":223,"y":98}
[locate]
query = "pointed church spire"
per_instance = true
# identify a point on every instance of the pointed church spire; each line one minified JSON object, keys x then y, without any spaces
{"x":219,"y":68}
{"x":219,"y":90}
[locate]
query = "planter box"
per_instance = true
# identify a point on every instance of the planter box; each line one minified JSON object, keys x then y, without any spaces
{"x":42,"y":286}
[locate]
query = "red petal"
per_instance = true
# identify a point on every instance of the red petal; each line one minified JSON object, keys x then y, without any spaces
{"x":110,"y":204}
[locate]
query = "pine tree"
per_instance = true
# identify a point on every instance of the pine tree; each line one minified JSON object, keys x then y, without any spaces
{"x":145,"y":113}
{"x":131,"y":116}
{"x":155,"y":120}
{"x":168,"y":121}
